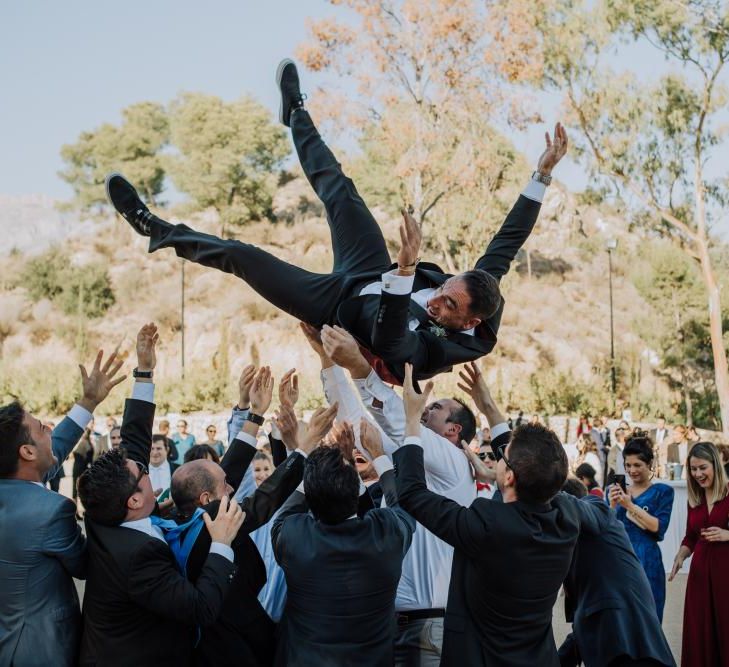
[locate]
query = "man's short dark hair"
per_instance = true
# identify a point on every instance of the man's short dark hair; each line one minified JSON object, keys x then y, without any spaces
{"x":158,"y":437}
{"x":484,"y":291}
{"x":332,"y":485}
{"x":197,"y":452}
{"x":574,"y":487}
{"x":186,"y":487}
{"x":539,"y":462}
{"x":464,"y":416}
{"x":105,"y":487}
{"x":13,"y":434}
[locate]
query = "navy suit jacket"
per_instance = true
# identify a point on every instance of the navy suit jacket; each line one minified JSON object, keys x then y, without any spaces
{"x":41,"y":550}
{"x":611,"y":615}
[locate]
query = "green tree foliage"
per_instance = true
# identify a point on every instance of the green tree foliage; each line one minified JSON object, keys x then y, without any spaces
{"x":78,"y":290}
{"x":226,"y":155}
{"x":133,"y":148}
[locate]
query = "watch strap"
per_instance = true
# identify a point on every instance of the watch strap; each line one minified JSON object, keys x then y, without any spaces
{"x":256,"y":419}
{"x":541,"y":178}
{"x":142,"y":374}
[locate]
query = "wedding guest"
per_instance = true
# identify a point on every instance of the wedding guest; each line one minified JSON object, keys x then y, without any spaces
{"x":183,"y":440}
{"x":586,"y":474}
{"x":645,"y":510}
{"x":197,"y":452}
{"x":706,"y":610}
{"x":588,"y":453}
{"x":212,"y":441}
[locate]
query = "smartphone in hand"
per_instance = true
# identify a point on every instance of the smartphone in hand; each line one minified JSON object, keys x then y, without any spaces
{"x":620,"y":481}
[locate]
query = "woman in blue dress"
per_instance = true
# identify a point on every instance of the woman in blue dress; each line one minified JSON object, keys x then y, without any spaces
{"x":645,"y":510}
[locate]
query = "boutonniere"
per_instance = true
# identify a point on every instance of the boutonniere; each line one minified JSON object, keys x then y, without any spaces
{"x":437,"y":330}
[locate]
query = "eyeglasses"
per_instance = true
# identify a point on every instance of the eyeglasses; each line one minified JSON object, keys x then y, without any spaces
{"x":487,"y":455}
{"x":143,"y":470}
{"x":211,"y":430}
{"x":502,"y":455}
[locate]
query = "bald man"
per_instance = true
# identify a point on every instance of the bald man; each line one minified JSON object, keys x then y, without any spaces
{"x":244,"y":634}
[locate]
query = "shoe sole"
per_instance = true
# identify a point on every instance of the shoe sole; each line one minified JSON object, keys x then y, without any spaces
{"x":279,"y":74}
{"x":106,"y":187}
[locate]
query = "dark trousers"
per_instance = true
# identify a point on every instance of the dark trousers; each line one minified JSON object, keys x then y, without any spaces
{"x":360,"y":253}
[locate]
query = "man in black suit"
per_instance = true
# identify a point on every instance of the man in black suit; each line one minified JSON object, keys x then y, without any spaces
{"x":406,"y":312}
{"x":138,"y":608}
{"x":341,"y":571}
{"x":244,"y":634}
{"x":614,"y":623}
{"x":510,"y":557}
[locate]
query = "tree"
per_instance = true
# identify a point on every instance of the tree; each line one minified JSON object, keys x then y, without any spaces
{"x":132,"y":148}
{"x":226,"y":155}
{"x":654,"y":140}
{"x":425,"y":118}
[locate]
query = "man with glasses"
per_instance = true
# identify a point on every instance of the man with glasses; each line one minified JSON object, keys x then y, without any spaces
{"x":138,"y":608}
{"x":183,"y":441}
{"x":511,"y":557}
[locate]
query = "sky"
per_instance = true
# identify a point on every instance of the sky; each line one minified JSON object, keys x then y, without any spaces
{"x":66,"y":67}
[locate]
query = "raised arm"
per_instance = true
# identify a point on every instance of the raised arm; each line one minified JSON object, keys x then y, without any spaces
{"x":242,"y":407}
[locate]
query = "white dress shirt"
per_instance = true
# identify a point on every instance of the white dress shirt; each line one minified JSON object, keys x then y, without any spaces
{"x":160,"y":476}
{"x":395,"y":284}
{"x":426,"y":569}
{"x":144,"y":391}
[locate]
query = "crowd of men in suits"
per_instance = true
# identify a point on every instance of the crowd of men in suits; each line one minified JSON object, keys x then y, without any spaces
{"x":429,"y":574}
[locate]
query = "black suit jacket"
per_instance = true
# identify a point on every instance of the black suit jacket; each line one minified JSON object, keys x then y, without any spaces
{"x":244,"y":634}
{"x":138,"y":609}
{"x":380,"y":323}
{"x":342,"y":581}
{"x":614,"y":615}
{"x":509,"y":562}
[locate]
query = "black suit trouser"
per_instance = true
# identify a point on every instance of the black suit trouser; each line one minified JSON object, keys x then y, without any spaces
{"x":359,"y":249}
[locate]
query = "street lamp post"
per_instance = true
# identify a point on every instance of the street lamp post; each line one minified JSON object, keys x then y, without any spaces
{"x":611,"y":245}
{"x":182,"y":316}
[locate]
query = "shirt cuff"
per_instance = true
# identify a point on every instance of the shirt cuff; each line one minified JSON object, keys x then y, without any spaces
{"x":300,"y":487}
{"x":143,"y":391}
{"x":412,"y":440}
{"x":499,"y":429}
{"x":222,"y":550}
{"x":275,"y":432}
{"x":302,"y":452}
{"x":373,"y":387}
{"x":394,"y":284}
{"x":240,"y":411}
{"x":534,"y":190}
{"x":382,"y":464}
{"x":247,"y":438}
{"x":80,"y":416}
{"x":362,"y":487}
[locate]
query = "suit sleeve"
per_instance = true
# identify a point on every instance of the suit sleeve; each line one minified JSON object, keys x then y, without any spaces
{"x":459,"y":526}
{"x":296,"y":504}
{"x":267,"y":498}
{"x":569,"y":655}
{"x":278,"y":450}
{"x":389,"y":488}
{"x":236,"y":460}
{"x":63,"y":439}
{"x":65,"y":542}
{"x":136,"y":429}
{"x":157,"y":585}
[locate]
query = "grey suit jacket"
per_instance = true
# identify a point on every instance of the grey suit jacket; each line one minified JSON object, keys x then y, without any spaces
{"x":41,"y":550}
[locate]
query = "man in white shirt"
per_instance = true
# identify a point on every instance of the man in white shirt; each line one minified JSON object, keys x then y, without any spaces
{"x":423,"y":589}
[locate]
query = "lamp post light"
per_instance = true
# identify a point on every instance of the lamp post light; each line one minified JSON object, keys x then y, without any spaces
{"x":610,"y":246}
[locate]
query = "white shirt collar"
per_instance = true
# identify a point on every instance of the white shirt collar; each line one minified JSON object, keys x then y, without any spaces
{"x":144,"y":526}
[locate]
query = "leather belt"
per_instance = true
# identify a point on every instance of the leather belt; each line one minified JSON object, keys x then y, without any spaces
{"x":406,"y":617}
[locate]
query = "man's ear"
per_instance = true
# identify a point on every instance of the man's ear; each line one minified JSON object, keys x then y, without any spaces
{"x":454,"y":428}
{"x":135,"y":501}
{"x":472,"y":323}
{"x":204,"y":498}
{"x":27,"y":452}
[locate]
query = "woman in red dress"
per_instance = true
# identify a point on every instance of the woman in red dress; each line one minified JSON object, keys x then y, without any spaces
{"x":706,"y":612}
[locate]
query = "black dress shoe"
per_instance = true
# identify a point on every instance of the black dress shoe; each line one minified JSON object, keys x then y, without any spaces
{"x":287,"y":80}
{"x":124,"y":198}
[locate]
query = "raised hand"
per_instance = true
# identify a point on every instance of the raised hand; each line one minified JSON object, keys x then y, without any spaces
{"x":313,"y":337}
{"x":481,"y":472}
{"x":262,"y":391}
{"x":341,"y":347}
{"x":411,"y":236}
{"x":227,"y":523}
{"x":414,"y":403}
{"x":288,"y":425}
{"x":245,"y":382}
{"x":371,"y":439}
{"x":555,"y":150}
{"x":146,"y":341}
{"x":474,"y":385}
{"x":341,"y":436}
{"x":319,"y":425}
{"x":288,"y":388}
{"x":101,"y":380}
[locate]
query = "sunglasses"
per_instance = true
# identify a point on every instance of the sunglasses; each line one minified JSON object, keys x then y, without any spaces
{"x":487,"y":455}
{"x":502,"y":455}
{"x":143,"y":470}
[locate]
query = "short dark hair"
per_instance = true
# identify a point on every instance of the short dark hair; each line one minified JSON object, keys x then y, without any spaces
{"x":467,"y":420}
{"x":187,"y":485}
{"x":574,"y":487}
{"x":158,"y":437}
{"x":262,"y":456}
{"x":640,"y":446}
{"x":105,"y":487}
{"x":197,"y":452}
{"x":484,"y":291}
{"x":588,"y":472}
{"x":13,"y":434}
{"x":332,"y":485}
{"x":539,"y":462}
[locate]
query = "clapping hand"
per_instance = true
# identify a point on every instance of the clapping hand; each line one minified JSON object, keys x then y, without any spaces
{"x":319,"y":425}
{"x":245,"y":382}
{"x":146,"y":341}
{"x":262,"y":391}
{"x":556,"y":149}
{"x":370,"y":439}
{"x":98,"y":384}
{"x":286,"y":422}
{"x":288,"y":388}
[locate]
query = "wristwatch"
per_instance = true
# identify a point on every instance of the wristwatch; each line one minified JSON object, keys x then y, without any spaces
{"x":142,"y":374}
{"x":256,"y":419}
{"x":541,"y":178}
